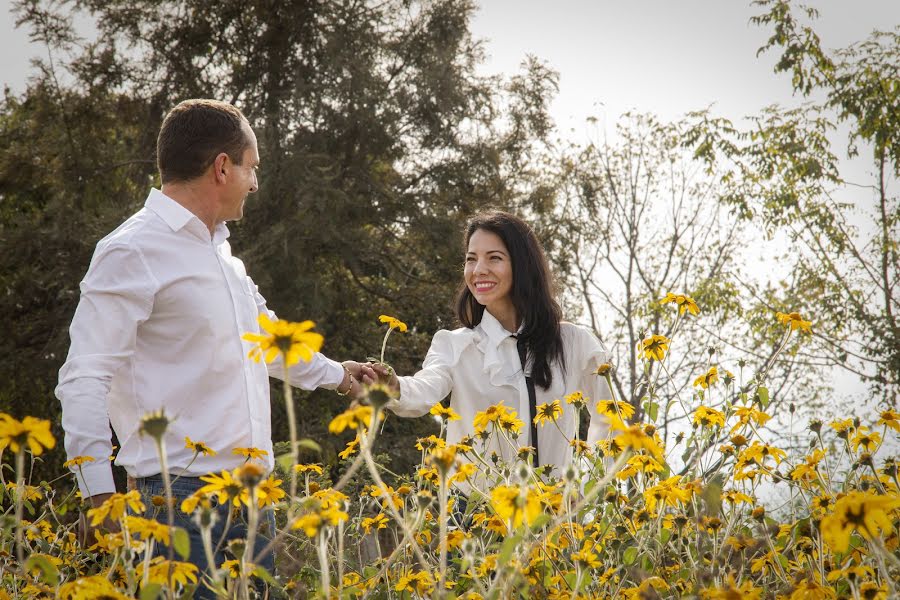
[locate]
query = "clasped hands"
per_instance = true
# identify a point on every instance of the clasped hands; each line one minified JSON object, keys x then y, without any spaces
{"x":365,"y":374}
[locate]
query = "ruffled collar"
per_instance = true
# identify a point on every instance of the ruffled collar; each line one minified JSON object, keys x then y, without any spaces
{"x":489,"y":335}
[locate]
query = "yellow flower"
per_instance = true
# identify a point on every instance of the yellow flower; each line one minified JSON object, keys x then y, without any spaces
{"x":432,"y":442}
{"x":445,"y":414}
{"x":420,"y":583}
{"x":632,"y":436}
{"x":78,"y":461}
{"x":463,"y":472}
{"x":350,"y":449}
{"x":308,"y":469}
{"x":226,"y":487}
{"x":758,"y":453}
{"x":730,"y":590}
{"x":603,"y":369}
{"x":794,"y":321}
{"x":705,"y":416}
{"x":577,"y":399}
{"x":189,"y":504}
{"x":515,"y":504}
{"x":233,"y":567}
{"x":807,"y":471}
{"x":352,"y":418}
{"x":624,"y":410}
{"x":250,"y":453}
{"x":491,"y":415}
{"x":745,"y":414}
{"x":734,"y":496}
{"x":148,"y":528}
{"x":31,"y":492}
{"x":113,"y":508}
{"x":710,"y":378}
{"x":442,"y":458}
{"x":309,"y":523}
{"x":29,"y":432}
{"x":586,"y":556}
{"x":869,"y":440}
{"x":88,"y":588}
{"x":655,"y":347}
{"x":269,"y":492}
{"x":176,"y":573}
{"x":393,"y":322}
{"x":511,"y":424}
{"x":549,"y":411}
{"x":379,"y":521}
{"x":294,"y":341}
{"x":873,"y":591}
{"x":867,"y":513}
{"x":198,"y":447}
{"x":684,"y":303}
{"x":890,"y":418}
{"x":667,"y":492}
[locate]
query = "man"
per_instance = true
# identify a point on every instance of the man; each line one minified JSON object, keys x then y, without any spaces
{"x":159,"y":323}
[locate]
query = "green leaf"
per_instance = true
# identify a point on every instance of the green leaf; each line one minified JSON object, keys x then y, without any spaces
{"x":539,"y":522}
{"x":181,"y":541}
{"x":653,"y":410}
{"x":664,"y":536}
{"x":309,"y":444}
{"x":506,"y":550}
{"x":264,"y":574}
{"x":49,"y":573}
{"x":763,"y":395}
{"x":629,"y":556}
{"x":151,"y":591}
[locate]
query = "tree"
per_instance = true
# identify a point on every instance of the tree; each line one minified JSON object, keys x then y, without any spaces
{"x":377,"y":140}
{"x":785,"y":175}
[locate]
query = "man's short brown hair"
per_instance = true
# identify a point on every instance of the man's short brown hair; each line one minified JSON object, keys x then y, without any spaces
{"x":194,"y":133}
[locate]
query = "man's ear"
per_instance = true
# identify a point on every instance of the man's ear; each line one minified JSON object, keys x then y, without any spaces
{"x":220,"y":167}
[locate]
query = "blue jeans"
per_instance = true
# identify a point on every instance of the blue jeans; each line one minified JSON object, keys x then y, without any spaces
{"x":181,"y":489}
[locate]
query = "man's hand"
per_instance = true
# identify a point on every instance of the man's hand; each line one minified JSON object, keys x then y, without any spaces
{"x":360,"y":374}
{"x":86,"y":531}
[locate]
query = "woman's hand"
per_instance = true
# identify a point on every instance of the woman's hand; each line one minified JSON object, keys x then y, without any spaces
{"x":387,"y":376}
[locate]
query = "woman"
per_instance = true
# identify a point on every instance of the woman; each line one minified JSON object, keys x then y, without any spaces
{"x":506,"y":306}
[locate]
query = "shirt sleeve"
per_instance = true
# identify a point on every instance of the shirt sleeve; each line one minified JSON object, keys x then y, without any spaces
{"x":116,"y":297}
{"x":419,"y":392}
{"x":589,"y":355}
{"x":321,"y":371}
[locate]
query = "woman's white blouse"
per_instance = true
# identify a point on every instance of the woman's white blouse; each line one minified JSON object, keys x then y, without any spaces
{"x":480,"y":367}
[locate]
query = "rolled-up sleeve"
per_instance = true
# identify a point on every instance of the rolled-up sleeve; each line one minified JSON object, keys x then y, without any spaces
{"x":419,"y":392}
{"x":116,"y":297}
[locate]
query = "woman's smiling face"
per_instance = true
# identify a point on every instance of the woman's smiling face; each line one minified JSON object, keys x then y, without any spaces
{"x":489,"y":270}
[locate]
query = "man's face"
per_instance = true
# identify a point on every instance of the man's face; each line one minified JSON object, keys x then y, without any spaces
{"x":241,"y":180}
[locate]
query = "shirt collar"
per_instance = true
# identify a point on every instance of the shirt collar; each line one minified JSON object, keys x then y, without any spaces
{"x":492,"y":328}
{"x":177,"y":217}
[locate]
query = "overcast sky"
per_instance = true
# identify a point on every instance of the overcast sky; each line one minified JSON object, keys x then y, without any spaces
{"x":660,"y":56}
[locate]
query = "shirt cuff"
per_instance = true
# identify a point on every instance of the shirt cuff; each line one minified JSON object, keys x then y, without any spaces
{"x":333,"y":373}
{"x":95,"y":478}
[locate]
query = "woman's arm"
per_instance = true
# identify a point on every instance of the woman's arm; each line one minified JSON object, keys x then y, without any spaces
{"x":419,"y":392}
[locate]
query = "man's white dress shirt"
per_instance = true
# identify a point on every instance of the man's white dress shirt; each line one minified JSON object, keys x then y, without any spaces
{"x":481,"y":367}
{"x":159,"y":324}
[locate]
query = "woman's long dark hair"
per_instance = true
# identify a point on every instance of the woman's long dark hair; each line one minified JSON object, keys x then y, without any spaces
{"x":531,"y":294}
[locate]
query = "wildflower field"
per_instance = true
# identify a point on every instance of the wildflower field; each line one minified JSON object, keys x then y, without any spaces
{"x":633,"y":516}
